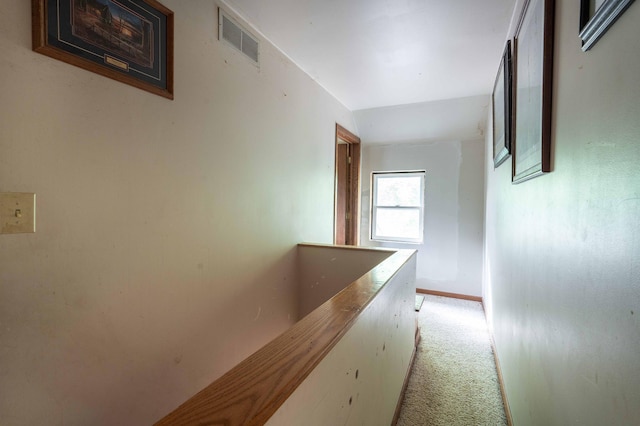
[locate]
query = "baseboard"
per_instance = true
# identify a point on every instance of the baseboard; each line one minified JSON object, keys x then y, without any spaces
{"x":452,"y":295}
{"x":503,"y":393}
{"x":396,"y":415}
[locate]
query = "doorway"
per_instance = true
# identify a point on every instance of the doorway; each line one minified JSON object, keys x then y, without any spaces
{"x":347,"y":188}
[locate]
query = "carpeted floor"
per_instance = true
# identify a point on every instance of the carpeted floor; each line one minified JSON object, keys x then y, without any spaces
{"x":453,"y":380}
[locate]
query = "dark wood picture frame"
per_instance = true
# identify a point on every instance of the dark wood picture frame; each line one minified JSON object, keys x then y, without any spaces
{"x":596,"y":19}
{"x":130,"y":41}
{"x":501,"y":103}
{"x":533,"y":77}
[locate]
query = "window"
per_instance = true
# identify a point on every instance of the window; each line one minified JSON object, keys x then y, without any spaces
{"x":397,"y":206}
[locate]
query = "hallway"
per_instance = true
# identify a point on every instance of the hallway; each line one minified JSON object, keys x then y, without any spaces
{"x":453,"y":380}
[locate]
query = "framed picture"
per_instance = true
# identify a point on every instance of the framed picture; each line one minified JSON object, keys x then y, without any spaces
{"x":533,"y":45}
{"x":128,"y":40}
{"x":597,"y":16}
{"x":502,"y":109}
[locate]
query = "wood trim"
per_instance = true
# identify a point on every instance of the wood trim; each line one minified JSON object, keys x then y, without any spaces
{"x":352,"y":231}
{"x":451,"y":295}
{"x":359,"y":248}
{"x":396,"y":414}
{"x":342,"y":194}
{"x":346,"y":135}
{"x":251,"y":392}
{"x":503,"y":392}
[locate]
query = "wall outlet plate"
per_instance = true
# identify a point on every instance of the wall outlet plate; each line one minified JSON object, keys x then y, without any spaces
{"x":17,"y":212}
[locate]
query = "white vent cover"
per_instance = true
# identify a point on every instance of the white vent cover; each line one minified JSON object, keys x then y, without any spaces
{"x":238,"y":37}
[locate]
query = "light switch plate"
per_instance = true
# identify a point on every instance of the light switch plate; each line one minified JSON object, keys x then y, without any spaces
{"x":17,"y":212}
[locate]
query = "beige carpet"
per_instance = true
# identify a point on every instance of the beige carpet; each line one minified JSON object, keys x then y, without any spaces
{"x":453,"y":380}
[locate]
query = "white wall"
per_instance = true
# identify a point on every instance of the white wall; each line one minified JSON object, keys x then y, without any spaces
{"x":436,"y":121}
{"x":562,"y":273}
{"x":324,"y":271}
{"x":165,"y":250}
{"x":360,"y":380}
{"x":450,"y":258}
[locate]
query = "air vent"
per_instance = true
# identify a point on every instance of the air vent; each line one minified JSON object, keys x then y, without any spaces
{"x":231,"y":32}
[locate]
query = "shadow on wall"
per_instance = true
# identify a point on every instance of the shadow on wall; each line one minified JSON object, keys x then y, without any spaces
{"x":255,"y":312}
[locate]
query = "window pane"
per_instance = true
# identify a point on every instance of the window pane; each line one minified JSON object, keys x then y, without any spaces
{"x":398,"y":223}
{"x":398,"y":191}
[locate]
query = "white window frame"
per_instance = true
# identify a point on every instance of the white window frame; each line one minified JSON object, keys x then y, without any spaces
{"x":375,"y":176}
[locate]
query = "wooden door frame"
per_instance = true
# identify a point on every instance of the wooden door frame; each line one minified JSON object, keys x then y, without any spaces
{"x":352,"y":232}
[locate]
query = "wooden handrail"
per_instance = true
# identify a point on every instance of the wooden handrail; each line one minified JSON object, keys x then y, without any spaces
{"x":251,"y":392}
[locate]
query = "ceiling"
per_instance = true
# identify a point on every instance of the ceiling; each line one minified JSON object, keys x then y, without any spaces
{"x":378,"y":53}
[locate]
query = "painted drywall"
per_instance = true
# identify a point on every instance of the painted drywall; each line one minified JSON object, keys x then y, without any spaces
{"x":450,"y":257}
{"x":166,"y":230}
{"x":359,"y":381}
{"x":436,"y":121}
{"x":324,"y":271}
{"x":562,"y":275}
